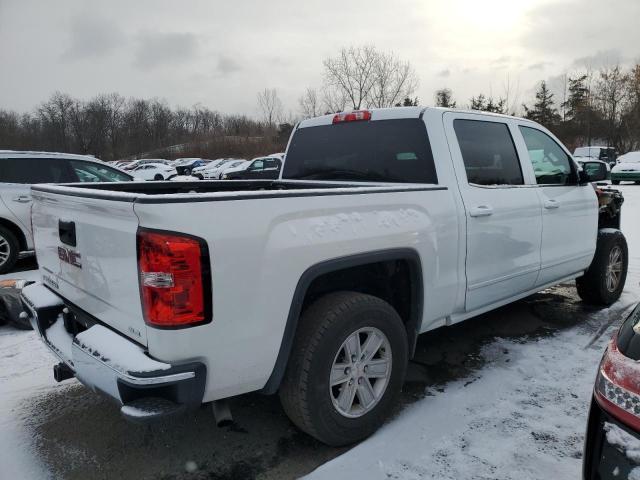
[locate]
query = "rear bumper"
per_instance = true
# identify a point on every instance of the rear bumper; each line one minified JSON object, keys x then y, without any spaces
{"x":109,"y":363}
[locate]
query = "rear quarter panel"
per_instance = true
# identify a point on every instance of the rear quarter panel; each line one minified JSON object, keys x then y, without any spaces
{"x":261,"y":247}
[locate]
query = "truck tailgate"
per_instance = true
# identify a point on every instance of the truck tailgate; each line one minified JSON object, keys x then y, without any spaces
{"x":86,"y":249}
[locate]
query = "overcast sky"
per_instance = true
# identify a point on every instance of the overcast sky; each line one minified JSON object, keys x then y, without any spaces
{"x":220,"y":54}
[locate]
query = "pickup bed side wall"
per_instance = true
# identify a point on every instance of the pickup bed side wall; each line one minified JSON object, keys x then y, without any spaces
{"x":260,"y":249}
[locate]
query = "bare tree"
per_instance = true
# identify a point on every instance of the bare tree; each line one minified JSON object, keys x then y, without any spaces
{"x":334,"y":100}
{"x":353,"y":72}
{"x":309,"y":104}
{"x":612,"y":96}
{"x":270,"y":106}
{"x":393,"y":81}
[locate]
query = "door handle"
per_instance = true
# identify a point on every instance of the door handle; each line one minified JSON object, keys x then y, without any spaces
{"x":22,"y":199}
{"x":551,"y":203}
{"x":481,"y":211}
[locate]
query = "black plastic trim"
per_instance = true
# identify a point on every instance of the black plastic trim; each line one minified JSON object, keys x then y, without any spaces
{"x":205,"y":265}
{"x":417,"y":293}
{"x":189,"y":392}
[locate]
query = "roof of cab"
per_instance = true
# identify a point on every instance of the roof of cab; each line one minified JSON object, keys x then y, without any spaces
{"x":45,"y":155}
{"x":396,"y":113}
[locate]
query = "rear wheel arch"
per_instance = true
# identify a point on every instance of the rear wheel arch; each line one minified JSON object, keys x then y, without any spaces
{"x":304,"y":295}
{"x":17,"y":232}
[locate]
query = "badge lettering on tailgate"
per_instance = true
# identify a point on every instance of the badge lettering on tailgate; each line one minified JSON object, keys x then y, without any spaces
{"x":69,"y":256}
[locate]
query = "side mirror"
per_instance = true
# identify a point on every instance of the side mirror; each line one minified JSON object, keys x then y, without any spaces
{"x":593,"y":172}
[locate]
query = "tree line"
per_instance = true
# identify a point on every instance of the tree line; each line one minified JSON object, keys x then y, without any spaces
{"x":112,"y":127}
{"x":593,"y":107}
{"x":600,"y":107}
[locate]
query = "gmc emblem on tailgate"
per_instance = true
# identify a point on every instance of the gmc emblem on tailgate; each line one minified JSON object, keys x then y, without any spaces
{"x":69,"y":256}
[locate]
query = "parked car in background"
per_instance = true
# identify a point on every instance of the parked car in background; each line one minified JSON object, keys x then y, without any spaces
{"x":154,"y":171}
{"x":627,"y":168}
{"x":315,"y":285}
{"x":612,"y":441}
{"x":606,"y":154}
{"x":258,"y":168}
{"x":20,"y":169}
{"x":198,"y":171}
{"x":185,"y":166}
{"x":136,"y":163}
{"x":591,"y":166}
{"x":217,"y":172}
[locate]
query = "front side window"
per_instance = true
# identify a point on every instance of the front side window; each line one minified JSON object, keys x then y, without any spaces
{"x":371,"y":151}
{"x":35,"y":170}
{"x":488,"y":153}
{"x":94,"y":172}
{"x":551,"y":164}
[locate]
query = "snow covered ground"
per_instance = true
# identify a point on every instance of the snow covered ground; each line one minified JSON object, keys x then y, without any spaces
{"x":519,"y":412}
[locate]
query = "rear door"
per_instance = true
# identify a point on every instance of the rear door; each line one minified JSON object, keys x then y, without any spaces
{"x":570,"y":210}
{"x":86,"y":249}
{"x":18,"y":174}
{"x":503,"y":213}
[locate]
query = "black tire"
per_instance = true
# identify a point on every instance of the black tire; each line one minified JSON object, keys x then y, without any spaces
{"x":593,"y":287}
{"x":8,"y":245}
{"x":199,"y":176}
{"x":158,"y":177}
{"x":305,"y":392}
{"x":615,"y":182}
{"x":187,"y":171}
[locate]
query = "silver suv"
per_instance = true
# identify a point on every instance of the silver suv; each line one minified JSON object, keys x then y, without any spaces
{"x":18,"y":170}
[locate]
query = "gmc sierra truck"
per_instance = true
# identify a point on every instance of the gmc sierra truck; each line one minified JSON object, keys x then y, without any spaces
{"x":383,"y":224}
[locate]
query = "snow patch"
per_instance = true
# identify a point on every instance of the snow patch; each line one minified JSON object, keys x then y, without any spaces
{"x":40,"y":296}
{"x":116,"y":351}
{"x":59,"y":338}
{"x":136,"y":412}
{"x":626,"y":443}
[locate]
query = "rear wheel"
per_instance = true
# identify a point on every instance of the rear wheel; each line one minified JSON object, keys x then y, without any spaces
{"x":9,"y":247}
{"x":346,"y":368}
{"x":158,"y":177}
{"x":615,"y":182}
{"x":604,"y":281}
{"x":187,"y":171}
{"x":199,"y":176}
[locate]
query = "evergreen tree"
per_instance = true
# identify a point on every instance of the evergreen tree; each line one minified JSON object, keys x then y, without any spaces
{"x":543,"y":111}
{"x":444,"y":98}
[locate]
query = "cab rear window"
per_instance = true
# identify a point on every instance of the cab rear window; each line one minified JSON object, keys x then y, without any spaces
{"x":375,"y":151}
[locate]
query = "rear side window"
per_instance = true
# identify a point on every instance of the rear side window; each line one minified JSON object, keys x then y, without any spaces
{"x":95,"y":172}
{"x":488,"y":153}
{"x":375,"y":151}
{"x":551,"y":164}
{"x":35,"y":170}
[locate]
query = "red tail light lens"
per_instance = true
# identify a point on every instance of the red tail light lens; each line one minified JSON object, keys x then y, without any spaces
{"x":617,"y":387}
{"x":175,"y":281}
{"x":355,"y":116}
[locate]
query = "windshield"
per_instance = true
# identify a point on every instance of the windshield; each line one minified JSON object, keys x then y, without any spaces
{"x":376,"y":151}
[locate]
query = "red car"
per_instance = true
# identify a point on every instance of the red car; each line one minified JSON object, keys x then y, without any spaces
{"x":612,"y":444}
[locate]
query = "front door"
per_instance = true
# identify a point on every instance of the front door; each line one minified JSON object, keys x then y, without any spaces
{"x":570,"y":210}
{"x":502,"y":210}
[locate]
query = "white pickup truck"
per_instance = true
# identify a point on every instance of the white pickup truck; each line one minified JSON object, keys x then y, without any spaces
{"x":384,"y":224}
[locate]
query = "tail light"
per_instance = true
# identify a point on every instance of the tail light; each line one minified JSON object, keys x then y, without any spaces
{"x":175,"y":279}
{"x":617,"y":387}
{"x":355,"y":116}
